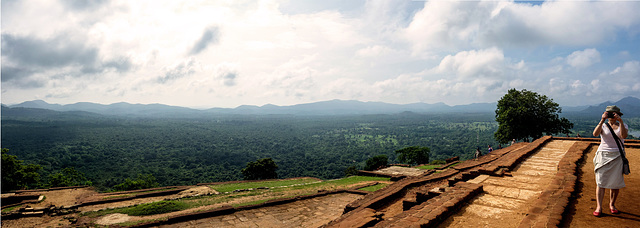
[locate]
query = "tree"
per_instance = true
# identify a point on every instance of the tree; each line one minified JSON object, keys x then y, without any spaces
{"x":68,"y":177}
{"x":351,"y":171}
{"x":376,"y":162}
{"x":16,"y":175}
{"x":414,"y":155}
{"x":525,"y":114}
{"x":260,"y":170}
{"x":141,"y":182}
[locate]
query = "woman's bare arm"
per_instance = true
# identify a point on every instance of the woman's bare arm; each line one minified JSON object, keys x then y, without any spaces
{"x":598,"y":129}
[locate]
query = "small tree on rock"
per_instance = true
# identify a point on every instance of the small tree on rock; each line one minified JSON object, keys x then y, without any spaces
{"x":260,"y":170}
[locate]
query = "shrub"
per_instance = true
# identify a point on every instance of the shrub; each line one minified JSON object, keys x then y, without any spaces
{"x":438,"y":162}
{"x":154,"y":208}
{"x":142,"y":182}
{"x":376,"y":162}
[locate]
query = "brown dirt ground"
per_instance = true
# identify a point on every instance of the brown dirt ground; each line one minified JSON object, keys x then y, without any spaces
{"x":69,"y":197}
{"x":580,"y":214}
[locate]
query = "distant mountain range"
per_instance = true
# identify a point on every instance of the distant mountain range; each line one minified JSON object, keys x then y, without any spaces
{"x":630,"y":107}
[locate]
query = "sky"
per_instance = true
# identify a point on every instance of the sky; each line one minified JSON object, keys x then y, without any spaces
{"x":227,"y":53}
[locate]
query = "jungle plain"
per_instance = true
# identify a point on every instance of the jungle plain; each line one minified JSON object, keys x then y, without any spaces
{"x":192,"y":150}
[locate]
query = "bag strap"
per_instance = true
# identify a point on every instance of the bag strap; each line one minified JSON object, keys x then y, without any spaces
{"x":618,"y":142}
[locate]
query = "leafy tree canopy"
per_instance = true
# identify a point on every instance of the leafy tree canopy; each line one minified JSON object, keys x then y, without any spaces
{"x":376,"y":162}
{"x":15,"y":174}
{"x":68,"y":177}
{"x":414,"y":155}
{"x":141,"y":182}
{"x":351,"y":171}
{"x":260,"y":170}
{"x":525,"y":114}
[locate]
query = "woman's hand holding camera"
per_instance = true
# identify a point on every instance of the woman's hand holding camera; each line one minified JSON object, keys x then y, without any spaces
{"x":610,"y":115}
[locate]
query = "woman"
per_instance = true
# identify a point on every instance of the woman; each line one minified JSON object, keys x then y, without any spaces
{"x":608,"y":161}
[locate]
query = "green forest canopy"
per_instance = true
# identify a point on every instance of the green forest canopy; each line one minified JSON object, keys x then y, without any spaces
{"x":108,"y":150}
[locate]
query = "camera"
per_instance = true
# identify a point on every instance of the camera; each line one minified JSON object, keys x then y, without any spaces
{"x":610,"y":115}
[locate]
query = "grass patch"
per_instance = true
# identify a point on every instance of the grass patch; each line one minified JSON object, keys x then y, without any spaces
{"x":307,"y":186}
{"x":8,"y":209}
{"x":250,"y":203}
{"x":137,"y":193}
{"x":374,"y":188}
{"x":428,"y":166}
{"x":269,"y":184}
{"x":154,"y":208}
{"x":355,"y":179}
{"x":338,"y":183}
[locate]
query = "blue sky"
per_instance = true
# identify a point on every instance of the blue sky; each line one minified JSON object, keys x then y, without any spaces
{"x":206,"y":54}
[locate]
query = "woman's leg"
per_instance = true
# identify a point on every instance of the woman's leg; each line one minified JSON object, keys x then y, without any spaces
{"x":613,"y":197}
{"x":599,"y":198}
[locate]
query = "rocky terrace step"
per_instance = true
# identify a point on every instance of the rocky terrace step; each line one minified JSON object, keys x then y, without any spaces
{"x":497,"y":201}
{"x":506,"y":200}
{"x":508,"y":182}
{"x":510,"y":192}
{"x":538,"y":167}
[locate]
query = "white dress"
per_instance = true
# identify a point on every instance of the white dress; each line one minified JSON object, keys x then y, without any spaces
{"x":608,"y":161}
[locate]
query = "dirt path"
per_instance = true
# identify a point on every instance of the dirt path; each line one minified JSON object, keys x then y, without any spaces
{"x":581,"y":213}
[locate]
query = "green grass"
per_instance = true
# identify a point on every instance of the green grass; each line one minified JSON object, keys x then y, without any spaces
{"x":250,"y":203}
{"x":355,"y":179}
{"x":159,"y":207}
{"x":137,"y":193}
{"x":338,"y":183}
{"x":8,"y":209}
{"x":270,"y":184}
{"x":428,"y":166}
{"x":374,"y":188}
{"x":279,"y":189}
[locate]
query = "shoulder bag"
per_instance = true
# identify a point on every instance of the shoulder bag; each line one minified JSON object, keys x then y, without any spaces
{"x":625,"y":162}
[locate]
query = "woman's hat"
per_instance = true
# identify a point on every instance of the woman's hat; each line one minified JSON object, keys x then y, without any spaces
{"x":613,"y":108}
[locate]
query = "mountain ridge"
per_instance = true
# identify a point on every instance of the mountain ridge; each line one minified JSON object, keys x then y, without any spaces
{"x":629,"y":105}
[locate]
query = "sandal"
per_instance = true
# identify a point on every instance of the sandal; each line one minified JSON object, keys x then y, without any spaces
{"x":615,"y":211}
{"x":597,"y":214}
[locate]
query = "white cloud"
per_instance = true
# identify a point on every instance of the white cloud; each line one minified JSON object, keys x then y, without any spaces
{"x":258,"y":52}
{"x":446,"y":25}
{"x":583,"y":59}
{"x":373,"y":51}
{"x":481,"y":63}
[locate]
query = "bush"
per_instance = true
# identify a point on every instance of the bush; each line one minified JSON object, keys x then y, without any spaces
{"x":16,"y":174}
{"x":376,"y":162}
{"x":351,"y":171}
{"x":154,"y":208}
{"x":142,"y":182}
{"x":261,"y":169}
{"x":414,"y":155}
{"x":68,"y":177}
{"x":438,"y":162}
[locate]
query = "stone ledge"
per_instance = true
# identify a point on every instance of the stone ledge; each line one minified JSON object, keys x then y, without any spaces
{"x":501,"y":159}
{"x":437,"y":209}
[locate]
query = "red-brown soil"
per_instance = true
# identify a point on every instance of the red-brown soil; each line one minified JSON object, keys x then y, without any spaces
{"x":580,"y":214}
